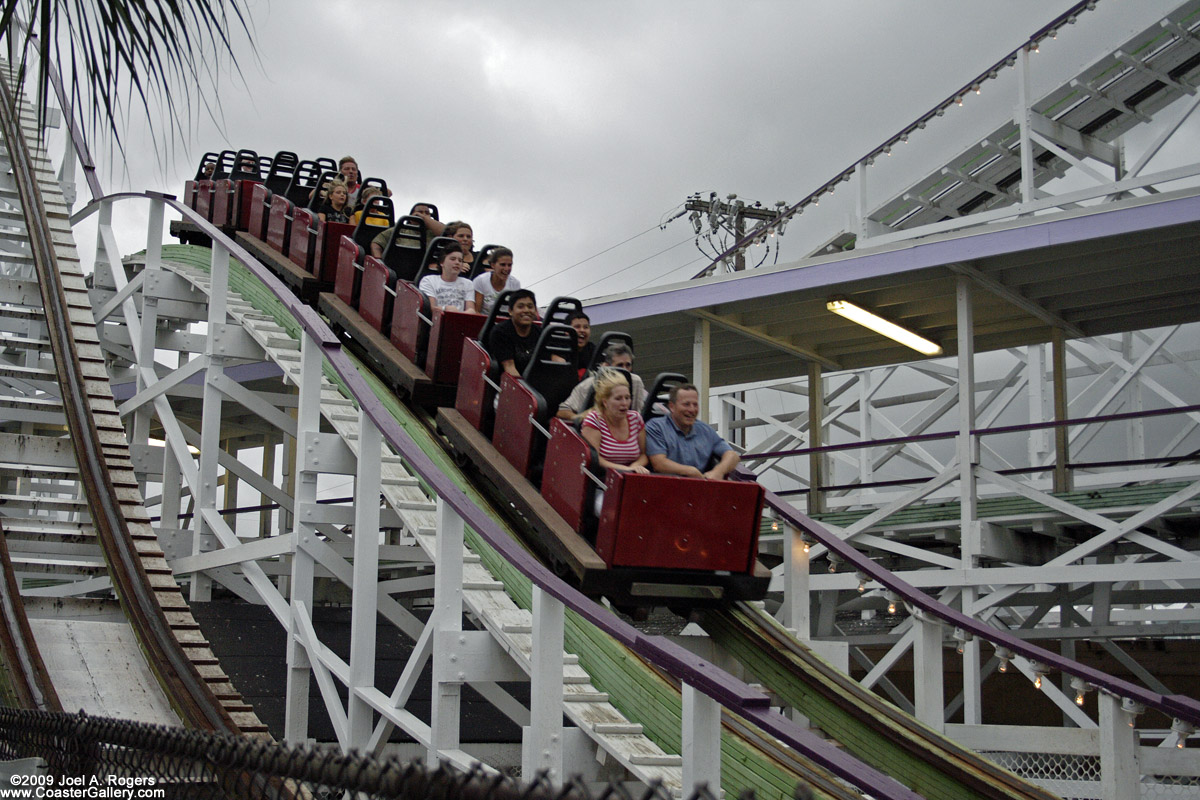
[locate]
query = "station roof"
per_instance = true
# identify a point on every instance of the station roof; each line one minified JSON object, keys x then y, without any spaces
{"x":1123,"y":266}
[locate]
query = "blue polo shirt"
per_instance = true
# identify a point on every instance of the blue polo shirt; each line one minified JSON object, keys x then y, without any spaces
{"x":699,"y":447}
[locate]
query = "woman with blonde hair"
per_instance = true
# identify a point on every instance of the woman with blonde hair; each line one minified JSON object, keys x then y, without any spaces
{"x":616,"y":431}
{"x":336,"y":207}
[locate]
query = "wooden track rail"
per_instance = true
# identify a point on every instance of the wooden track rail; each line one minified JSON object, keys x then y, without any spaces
{"x":25,"y":681}
{"x":176,"y":652}
{"x":866,"y":724}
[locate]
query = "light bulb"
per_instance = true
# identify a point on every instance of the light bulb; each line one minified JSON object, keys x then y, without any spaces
{"x":891,"y":606}
{"x":1037,"y":682}
{"x":1079,"y":698}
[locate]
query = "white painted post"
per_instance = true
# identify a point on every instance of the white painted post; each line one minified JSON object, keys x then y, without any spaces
{"x":701,"y":358}
{"x":145,"y":353}
{"x":816,"y":438}
{"x":210,"y":415}
{"x":1119,"y":772}
{"x":365,"y":590}
{"x":445,"y":715}
{"x":972,"y":674}
{"x":967,"y":446}
{"x":928,"y":692}
{"x":308,"y":425}
{"x":866,"y":469}
{"x":1039,"y":408}
{"x":701,"y":741}
{"x":171,"y":492}
{"x":860,"y":203}
{"x":543,"y":751}
{"x":796,"y":602}
{"x":1024,"y":119}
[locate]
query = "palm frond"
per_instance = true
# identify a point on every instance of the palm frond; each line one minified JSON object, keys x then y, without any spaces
{"x":121,"y":56}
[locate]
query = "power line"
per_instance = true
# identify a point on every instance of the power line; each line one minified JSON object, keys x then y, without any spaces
{"x":634,"y":264}
{"x":589,"y":258}
{"x":701,"y":257}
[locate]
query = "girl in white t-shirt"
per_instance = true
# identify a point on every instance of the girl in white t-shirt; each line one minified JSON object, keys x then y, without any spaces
{"x":499,"y":279}
{"x":448,"y":290}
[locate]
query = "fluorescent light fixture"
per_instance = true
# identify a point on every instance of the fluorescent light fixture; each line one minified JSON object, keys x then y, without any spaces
{"x":880,"y":325}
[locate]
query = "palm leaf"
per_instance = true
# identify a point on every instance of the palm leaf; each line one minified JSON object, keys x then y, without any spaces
{"x":161,"y":57}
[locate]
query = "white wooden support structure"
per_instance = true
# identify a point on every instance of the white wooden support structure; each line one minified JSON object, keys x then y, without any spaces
{"x":967,"y":452}
{"x":365,"y":590}
{"x":1024,"y":117}
{"x":816,"y":427}
{"x":210,"y":427}
{"x":542,"y":745}
{"x":928,"y":689}
{"x":701,"y":359}
{"x":797,"y":603}
{"x":1118,"y":750}
{"x":300,"y":582}
{"x":701,"y":741}
{"x":150,"y":273}
{"x":445,"y":715}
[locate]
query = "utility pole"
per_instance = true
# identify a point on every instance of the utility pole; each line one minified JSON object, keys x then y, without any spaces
{"x":729,"y":215}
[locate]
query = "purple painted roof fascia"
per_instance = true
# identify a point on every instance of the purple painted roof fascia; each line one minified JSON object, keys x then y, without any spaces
{"x":914,"y":257}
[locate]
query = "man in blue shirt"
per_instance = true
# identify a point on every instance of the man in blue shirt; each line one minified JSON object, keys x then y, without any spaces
{"x":679,"y":444}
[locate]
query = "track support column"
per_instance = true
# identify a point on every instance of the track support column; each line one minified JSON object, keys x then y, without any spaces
{"x":1062,"y":446}
{"x":308,"y":426}
{"x":797,"y":604}
{"x":928,"y":692}
{"x":816,"y":422}
{"x":445,"y":715}
{"x":1119,"y":771}
{"x":701,"y":741}
{"x":145,"y":353}
{"x":701,"y":360}
{"x":210,"y":425}
{"x":968,"y":445}
{"x":543,"y":745}
{"x":365,"y":591}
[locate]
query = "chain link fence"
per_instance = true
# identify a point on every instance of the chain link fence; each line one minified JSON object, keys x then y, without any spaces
{"x":81,"y":756}
{"x":1078,"y":777}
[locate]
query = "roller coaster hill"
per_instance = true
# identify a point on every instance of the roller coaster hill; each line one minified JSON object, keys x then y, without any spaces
{"x":938,"y":621}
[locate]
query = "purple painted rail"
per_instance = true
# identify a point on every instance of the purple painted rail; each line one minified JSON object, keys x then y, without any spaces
{"x":1173,"y":705}
{"x":942,"y":435}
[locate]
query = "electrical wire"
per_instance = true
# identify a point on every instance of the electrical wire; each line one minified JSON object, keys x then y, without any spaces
{"x":634,"y":264}
{"x":661,"y":224}
{"x":700,"y":257}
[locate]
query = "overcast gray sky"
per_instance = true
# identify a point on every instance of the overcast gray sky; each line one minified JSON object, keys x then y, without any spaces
{"x":563,"y":128}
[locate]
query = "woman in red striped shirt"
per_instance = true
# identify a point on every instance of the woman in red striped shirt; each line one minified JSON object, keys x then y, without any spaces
{"x":616,"y":431}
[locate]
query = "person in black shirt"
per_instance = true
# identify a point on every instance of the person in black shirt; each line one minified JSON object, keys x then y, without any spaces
{"x":336,"y":207}
{"x":586,"y":348}
{"x":512,"y":342}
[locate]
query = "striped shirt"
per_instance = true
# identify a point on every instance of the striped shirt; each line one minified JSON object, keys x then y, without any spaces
{"x":613,"y":449}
